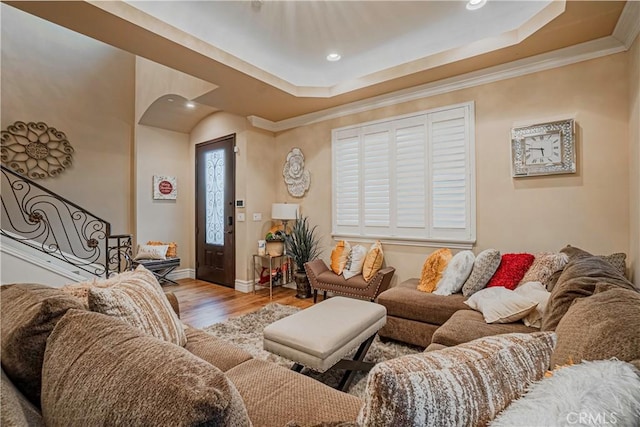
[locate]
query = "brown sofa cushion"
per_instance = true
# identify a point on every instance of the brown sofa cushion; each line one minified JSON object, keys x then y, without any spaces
{"x":15,"y":409}
{"x":602,"y":326}
{"x":220,"y":353}
{"x":275,"y":395}
{"x":407,"y":302}
{"x":468,"y":325}
{"x":132,"y":378}
{"x":339,"y":280}
{"x":466,"y":385}
{"x":137,"y":298}
{"x":578,"y":280}
{"x":29,"y":314}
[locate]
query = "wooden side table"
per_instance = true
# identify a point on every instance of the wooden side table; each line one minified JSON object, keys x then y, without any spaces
{"x":159,"y":267}
{"x":274,"y":261}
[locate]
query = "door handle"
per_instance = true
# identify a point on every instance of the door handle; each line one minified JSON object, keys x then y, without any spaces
{"x":230,"y":221}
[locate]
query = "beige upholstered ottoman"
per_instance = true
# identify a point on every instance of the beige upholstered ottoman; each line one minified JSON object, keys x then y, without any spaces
{"x":320,"y":336}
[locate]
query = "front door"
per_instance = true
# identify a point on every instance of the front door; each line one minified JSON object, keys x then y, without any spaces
{"x":215,"y":196}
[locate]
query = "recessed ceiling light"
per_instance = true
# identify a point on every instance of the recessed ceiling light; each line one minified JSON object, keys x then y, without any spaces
{"x":475,"y":4}
{"x":333,"y":57}
{"x":190,"y":105}
{"x":170,"y":99}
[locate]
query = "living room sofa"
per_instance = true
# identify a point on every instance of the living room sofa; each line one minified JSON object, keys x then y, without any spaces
{"x":94,"y":367}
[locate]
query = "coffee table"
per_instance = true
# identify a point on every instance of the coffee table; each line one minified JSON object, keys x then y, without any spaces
{"x":320,"y":336}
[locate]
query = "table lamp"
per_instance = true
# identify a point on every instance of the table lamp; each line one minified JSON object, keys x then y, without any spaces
{"x":284,"y":212}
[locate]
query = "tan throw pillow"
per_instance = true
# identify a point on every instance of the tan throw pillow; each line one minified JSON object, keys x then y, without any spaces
{"x":158,"y":252}
{"x":544,"y":266}
{"x":501,"y":305}
{"x":433,"y":268}
{"x":602,"y":326}
{"x":465,"y":385}
{"x":100,"y":370}
{"x":137,"y":298}
{"x":534,"y":291}
{"x":484,"y":266}
{"x":29,"y":314}
{"x":81,"y":290}
{"x":339,"y":256}
{"x":172,"y":250}
{"x":373,"y":261}
{"x":355,"y":262}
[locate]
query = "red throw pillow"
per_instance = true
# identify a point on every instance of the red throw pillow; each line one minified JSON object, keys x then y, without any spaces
{"x":511,"y":270}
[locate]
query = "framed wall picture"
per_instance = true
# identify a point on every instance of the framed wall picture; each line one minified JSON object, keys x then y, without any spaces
{"x":543,"y":149}
{"x":165,"y":187}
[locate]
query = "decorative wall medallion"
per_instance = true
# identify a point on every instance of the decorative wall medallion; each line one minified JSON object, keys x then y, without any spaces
{"x":165,"y":187}
{"x":296,"y":178}
{"x":35,"y":150}
{"x":544,"y":149}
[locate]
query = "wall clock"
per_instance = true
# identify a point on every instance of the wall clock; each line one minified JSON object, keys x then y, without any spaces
{"x":543,"y":149}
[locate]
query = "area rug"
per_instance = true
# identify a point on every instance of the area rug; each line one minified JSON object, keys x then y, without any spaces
{"x":246,"y":332}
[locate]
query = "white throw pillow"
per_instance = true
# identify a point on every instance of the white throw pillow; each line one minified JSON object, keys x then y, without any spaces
{"x":151,"y":252}
{"x":602,"y":393}
{"x":355,"y":262}
{"x":456,"y":273}
{"x":501,"y":305}
{"x":534,"y":291}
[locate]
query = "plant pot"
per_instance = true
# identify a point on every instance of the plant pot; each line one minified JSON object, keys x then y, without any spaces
{"x":275,"y":247}
{"x":302,"y":285}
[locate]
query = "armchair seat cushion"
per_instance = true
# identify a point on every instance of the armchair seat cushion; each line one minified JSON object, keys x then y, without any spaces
{"x":339,"y":280}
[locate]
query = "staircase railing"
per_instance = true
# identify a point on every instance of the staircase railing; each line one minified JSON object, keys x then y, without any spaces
{"x":49,"y":223}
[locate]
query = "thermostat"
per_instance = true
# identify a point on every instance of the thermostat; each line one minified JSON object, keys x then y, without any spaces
{"x":239,"y":203}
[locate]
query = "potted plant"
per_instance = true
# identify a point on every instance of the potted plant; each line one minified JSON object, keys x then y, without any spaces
{"x":302,"y":246}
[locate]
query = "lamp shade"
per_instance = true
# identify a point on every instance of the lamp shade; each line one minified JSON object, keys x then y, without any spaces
{"x":284,"y":211}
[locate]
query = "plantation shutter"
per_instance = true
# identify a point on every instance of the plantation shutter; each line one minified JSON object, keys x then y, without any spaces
{"x":376,"y":184}
{"x":346,"y":181}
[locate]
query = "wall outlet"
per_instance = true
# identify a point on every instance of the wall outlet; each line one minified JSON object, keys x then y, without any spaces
{"x":240,"y":217}
{"x":257,"y":216}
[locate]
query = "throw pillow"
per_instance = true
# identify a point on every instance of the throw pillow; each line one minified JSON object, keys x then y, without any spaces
{"x":456,"y":273}
{"x":137,"y":298}
{"x":485,"y":264}
{"x":355,"y":262}
{"x":544,"y":266}
{"x":80,"y":290}
{"x":29,"y":314}
{"x":339,"y":256}
{"x":606,"y":392}
{"x":602,"y":326}
{"x":373,"y":261}
{"x":534,"y":291}
{"x":618,"y":259}
{"x":511,"y":270}
{"x":132,"y":379}
{"x":501,"y":305}
{"x":433,"y":268}
{"x":151,"y":252}
{"x":578,"y":280}
{"x":465,"y":385}
{"x":172,"y":250}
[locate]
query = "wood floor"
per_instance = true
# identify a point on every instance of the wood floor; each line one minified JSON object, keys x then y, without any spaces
{"x":203,"y":303}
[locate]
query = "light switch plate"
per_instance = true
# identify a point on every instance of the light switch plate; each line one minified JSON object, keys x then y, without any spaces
{"x":257,"y":216}
{"x":240,"y":217}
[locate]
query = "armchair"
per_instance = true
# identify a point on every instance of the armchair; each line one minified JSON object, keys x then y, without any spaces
{"x":323,"y":278}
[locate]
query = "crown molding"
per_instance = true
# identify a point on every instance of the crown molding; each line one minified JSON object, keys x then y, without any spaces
{"x":628,"y":25}
{"x":558,"y":58}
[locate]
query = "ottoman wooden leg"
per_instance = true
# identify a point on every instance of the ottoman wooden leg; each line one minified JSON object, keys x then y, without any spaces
{"x":357,"y":364}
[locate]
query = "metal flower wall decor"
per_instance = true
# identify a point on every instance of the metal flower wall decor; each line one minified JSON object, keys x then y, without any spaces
{"x":35,"y":150}
{"x":296,"y":178}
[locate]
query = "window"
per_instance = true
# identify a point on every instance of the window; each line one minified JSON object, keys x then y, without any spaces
{"x":408,"y":179}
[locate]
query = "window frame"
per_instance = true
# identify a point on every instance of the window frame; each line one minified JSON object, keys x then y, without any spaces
{"x":431,"y":238}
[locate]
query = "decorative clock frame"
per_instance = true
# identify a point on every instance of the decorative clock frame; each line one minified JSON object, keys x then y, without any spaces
{"x":522,"y":139}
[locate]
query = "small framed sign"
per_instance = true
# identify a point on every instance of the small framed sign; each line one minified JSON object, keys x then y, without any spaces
{"x":165,"y":187}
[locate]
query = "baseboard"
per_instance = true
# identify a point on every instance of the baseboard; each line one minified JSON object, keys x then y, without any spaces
{"x":243,"y":286}
{"x":184,"y":273}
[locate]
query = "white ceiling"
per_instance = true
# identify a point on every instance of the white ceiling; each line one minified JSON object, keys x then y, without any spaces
{"x":290,"y":39}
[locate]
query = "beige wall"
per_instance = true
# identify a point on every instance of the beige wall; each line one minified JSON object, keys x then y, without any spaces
{"x":83,"y":88}
{"x":634,"y":159}
{"x":254,"y":181}
{"x":589,"y":209}
{"x":162,"y":152}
